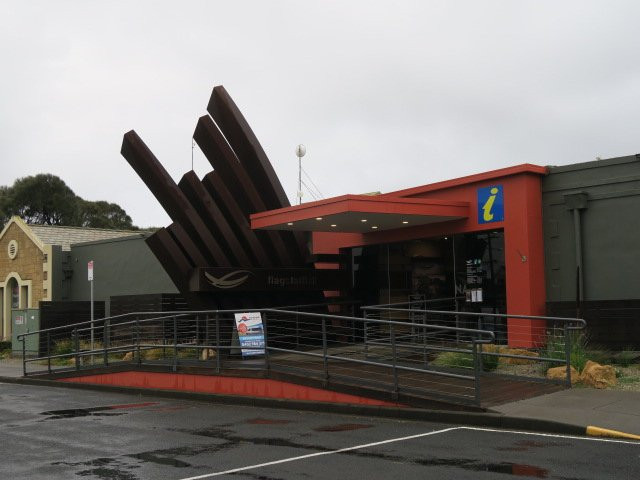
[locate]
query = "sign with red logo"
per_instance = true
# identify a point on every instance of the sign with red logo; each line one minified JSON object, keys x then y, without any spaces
{"x":250,"y":333}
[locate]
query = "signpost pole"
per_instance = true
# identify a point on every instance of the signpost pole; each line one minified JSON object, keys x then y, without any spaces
{"x":90,"y":277}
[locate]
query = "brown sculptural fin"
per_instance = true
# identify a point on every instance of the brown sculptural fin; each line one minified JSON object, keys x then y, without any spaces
{"x":213,"y":218}
{"x":224,"y":161}
{"x":237,"y":220}
{"x":246,"y":146}
{"x":171,"y":197}
{"x":237,"y":182}
{"x":251,"y":155}
{"x":183,"y":239}
{"x":173,"y":259}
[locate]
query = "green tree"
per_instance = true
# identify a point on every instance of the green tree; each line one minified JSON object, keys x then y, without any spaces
{"x":103,"y":214}
{"x":43,"y":199}
{"x":4,"y":205}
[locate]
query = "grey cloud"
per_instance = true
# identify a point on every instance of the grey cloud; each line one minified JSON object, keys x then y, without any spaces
{"x":385,"y":95}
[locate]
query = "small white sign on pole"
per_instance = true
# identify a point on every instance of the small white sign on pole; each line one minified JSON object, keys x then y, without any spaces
{"x":90,"y":278}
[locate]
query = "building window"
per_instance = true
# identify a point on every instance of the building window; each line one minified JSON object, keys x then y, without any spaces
{"x":45,"y":258}
{"x":24,"y":296}
{"x":15,"y":296}
{"x":45,"y":274}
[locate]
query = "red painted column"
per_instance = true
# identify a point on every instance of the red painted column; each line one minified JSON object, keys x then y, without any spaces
{"x":524,"y":260}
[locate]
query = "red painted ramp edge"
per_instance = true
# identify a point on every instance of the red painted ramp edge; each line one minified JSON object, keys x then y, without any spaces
{"x":252,"y":387}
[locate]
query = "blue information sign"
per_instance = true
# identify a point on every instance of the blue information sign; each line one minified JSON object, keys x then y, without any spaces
{"x":490,"y":204}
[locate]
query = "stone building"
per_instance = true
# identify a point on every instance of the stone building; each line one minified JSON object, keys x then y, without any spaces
{"x":41,"y":263}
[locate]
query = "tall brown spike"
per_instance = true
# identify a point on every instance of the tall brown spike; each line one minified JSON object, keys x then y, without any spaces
{"x":151,"y":171}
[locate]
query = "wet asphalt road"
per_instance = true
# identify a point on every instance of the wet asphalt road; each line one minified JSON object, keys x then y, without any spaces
{"x":59,"y":433}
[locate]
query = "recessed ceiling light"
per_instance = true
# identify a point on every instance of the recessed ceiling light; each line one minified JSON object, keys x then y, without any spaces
{"x":374,"y":226}
{"x":289,"y":223}
{"x":405,"y":222}
{"x":318,"y":218}
{"x":333,"y":225}
{"x":363,"y":220}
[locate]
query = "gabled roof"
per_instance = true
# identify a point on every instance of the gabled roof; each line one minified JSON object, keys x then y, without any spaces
{"x":64,"y":236}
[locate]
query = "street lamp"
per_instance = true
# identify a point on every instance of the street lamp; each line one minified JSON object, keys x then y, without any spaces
{"x":300,"y":151}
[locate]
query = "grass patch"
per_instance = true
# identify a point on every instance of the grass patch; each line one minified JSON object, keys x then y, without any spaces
{"x":157,"y":353}
{"x":5,"y":349}
{"x":62,"y":347}
{"x":464,"y":360}
{"x":628,"y":380}
{"x":188,"y":353}
{"x":453,"y":360}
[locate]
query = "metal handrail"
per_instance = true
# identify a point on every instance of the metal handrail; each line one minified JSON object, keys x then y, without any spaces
{"x":412,"y":302}
{"x":570,"y":324}
{"x":388,"y":350}
{"x":581,"y":321}
{"x":171,"y":313}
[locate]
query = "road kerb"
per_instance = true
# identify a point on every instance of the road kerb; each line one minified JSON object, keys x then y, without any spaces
{"x":605,"y":432}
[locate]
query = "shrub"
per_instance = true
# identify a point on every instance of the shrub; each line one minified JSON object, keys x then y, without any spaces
{"x":555,"y":348}
{"x":157,"y":353}
{"x":5,"y":349}
{"x":626,"y":358}
{"x":62,"y":347}
{"x":465,"y":360}
{"x":453,"y":360}
{"x":490,"y":362}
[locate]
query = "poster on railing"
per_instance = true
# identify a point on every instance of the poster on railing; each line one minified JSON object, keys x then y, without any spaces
{"x":250,"y":333}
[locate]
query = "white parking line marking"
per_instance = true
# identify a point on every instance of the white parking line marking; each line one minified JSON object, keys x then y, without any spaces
{"x":402,"y":439}
{"x":318,"y":454}
{"x":552,"y":435}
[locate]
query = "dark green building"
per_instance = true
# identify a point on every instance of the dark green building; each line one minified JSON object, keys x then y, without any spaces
{"x":592,"y":246}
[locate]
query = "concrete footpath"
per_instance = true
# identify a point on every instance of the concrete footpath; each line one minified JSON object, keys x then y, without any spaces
{"x":566,"y":411}
{"x":608,"y":409}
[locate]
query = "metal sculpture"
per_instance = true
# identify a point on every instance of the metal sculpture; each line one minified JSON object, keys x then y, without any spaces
{"x":209,"y":251}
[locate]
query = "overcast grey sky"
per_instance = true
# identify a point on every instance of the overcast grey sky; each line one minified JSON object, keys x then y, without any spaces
{"x":385,"y":95}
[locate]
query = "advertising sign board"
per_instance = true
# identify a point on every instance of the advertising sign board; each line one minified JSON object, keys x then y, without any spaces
{"x":250,"y":333}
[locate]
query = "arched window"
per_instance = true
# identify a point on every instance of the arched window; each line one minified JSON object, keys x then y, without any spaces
{"x":14,"y":292}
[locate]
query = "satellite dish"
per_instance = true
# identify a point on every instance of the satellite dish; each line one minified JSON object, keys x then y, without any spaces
{"x":301,"y":150}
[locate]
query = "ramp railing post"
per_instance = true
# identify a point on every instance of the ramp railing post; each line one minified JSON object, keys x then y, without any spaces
{"x":164,"y":341}
{"x":217,"y":320}
{"x":267,"y":361}
{"x":297,"y":328}
{"x":175,"y":343}
{"x":24,"y":355}
{"x":105,"y":343}
{"x":364,"y":334}
{"x":456,"y":306}
{"x":207,"y":337}
{"x":476,"y":371}
{"x":394,"y":359}
{"x":425,"y":358}
{"x":49,"y":352}
{"x":325,"y":360}
{"x":567,"y":354}
{"x":76,"y":345}
{"x":139,"y":355}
